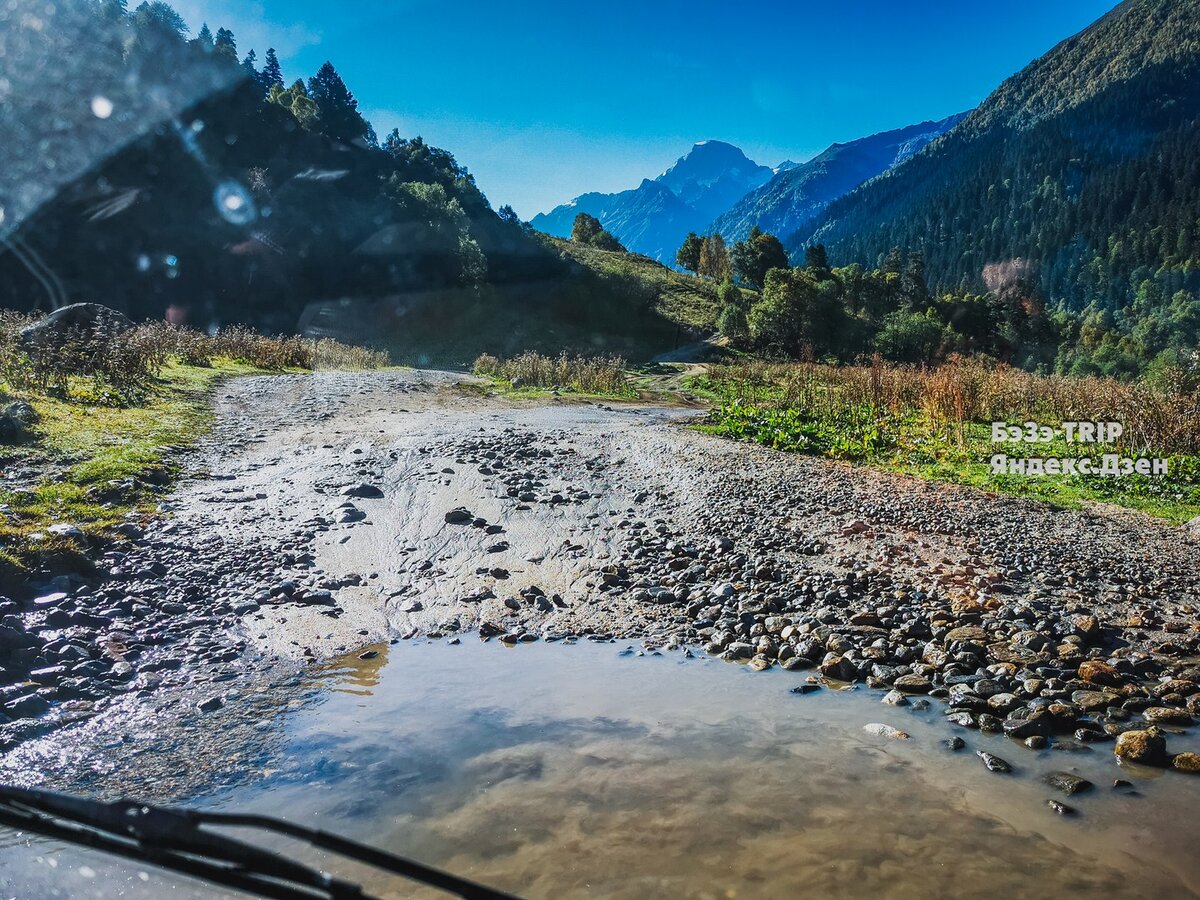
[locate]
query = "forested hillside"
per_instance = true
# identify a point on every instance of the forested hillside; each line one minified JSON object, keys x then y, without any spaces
{"x":183,"y":177}
{"x":1079,"y":176}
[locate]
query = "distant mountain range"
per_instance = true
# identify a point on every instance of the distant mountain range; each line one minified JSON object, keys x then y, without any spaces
{"x":715,"y":187}
{"x":656,"y":216}
{"x":799,"y":192}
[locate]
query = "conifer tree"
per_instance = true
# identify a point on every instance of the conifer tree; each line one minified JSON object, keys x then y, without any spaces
{"x":336,"y":106}
{"x":225,"y":46}
{"x":271,"y":74}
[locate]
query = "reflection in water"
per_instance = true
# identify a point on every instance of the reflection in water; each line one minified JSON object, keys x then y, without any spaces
{"x":570,"y":772}
{"x":356,"y":673}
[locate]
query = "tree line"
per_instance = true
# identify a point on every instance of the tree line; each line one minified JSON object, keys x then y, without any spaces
{"x":816,"y":310}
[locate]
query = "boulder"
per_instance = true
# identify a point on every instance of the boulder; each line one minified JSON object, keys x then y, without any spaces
{"x":1186,"y":762}
{"x":913,"y":684}
{"x":1148,"y":747}
{"x":1086,"y":627}
{"x":1096,"y":671}
{"x":1166,"y":715}
{"x":839,"y":668}
{"x":1067,"y":782}
{"x":15,"y":420}
{"x":87,"y":321}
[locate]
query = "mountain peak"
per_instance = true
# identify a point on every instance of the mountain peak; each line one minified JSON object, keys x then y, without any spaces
{"x":654,"y":217}
{"x":712,"y":176}
{"x":711,"y":149}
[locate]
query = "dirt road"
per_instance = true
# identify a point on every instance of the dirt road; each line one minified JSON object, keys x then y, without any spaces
{"x":333,"y":510}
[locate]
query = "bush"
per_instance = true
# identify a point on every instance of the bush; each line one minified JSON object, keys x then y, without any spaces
{"x":593,"y":375}
{"x":730,"y":294}
{"x":732,"y":323}
{"x":908,"y":336}
{"x":118,"y":367}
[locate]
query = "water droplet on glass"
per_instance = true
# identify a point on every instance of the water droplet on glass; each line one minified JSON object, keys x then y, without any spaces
{"x":234,"y":203}
{"x":143,"y":263}
{"x":102,"y":107}
{"x":170,"y":260}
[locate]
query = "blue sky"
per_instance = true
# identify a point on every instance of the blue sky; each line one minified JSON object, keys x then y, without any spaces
{"x":545,"y":100}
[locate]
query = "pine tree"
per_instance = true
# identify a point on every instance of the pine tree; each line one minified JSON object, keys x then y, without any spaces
{"x":916,"y":291}
{"x":336,"y":106}
{"x":224,"y":46}
{"x":248,"y":65}
{"x":816,"y":260}
{"x":271,"y":74}
{"x":204,"y":39}
{"x":160,"y":19}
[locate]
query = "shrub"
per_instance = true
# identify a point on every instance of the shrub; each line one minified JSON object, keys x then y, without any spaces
{"x":732,"y":323}
{"x":119,"y":367}
{"x":730,"y":295}
{"x":330,"y":354}
{"x":593,"y":375}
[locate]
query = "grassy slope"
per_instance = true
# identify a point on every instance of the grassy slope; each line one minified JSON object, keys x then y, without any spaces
{"x":621,"y":303}
{"x":682,"y":299}
{"x":80,"y":448}
{"x":913,"y":446}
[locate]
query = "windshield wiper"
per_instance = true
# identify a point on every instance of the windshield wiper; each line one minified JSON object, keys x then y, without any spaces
{"x":175,"y":839}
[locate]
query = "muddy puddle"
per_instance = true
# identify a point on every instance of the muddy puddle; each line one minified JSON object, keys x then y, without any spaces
{"x":556,"y":771}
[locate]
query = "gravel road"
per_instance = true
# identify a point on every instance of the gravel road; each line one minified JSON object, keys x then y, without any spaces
{"x":333,"y":510}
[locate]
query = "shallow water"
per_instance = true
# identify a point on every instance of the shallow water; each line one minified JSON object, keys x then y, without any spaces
{"x":555,"y":771}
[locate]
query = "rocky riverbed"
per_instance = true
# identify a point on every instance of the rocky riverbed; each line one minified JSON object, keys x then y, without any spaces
{"x":333,"y":510}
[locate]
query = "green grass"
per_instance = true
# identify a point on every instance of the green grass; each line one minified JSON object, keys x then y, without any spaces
{"x":83,"y":447}
{"x":913,"y":445}
{"x":605,"y":303}
{"x":679,"y":298}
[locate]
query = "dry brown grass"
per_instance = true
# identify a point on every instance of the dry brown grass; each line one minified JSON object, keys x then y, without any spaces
{"x":120,"y":366}
{"x":586,"y":374}
{"x":1164,"y":417}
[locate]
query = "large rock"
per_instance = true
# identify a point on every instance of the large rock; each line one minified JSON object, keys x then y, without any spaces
{"x":1186,"y":762}
{"x":839,"y":668}
{"x":1148,"y":747}
{"x":1166,"y":715}
{"x":87,"y":321}
{"x":1067,"y":782}
{"x":1086,"y":627}
{"x":15,"y":420}
{"x":1095,"y":671}
{"x":912,"y":684}
{"x":972,"y":633}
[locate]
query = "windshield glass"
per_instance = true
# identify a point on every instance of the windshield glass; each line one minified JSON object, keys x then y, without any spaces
{"x":656,"y":450}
